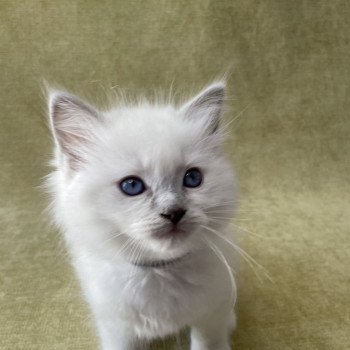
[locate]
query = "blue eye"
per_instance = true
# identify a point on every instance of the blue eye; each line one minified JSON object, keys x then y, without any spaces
{"x":132,"y":186}
{"x":193,"y":178}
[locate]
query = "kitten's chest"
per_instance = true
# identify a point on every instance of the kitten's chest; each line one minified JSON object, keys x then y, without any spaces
{"x":159,"y":300}
{"x":163,"y":301}
{"x":155,"y":290}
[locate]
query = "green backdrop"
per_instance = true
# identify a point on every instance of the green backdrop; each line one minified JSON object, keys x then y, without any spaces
{"x":290,"y":75}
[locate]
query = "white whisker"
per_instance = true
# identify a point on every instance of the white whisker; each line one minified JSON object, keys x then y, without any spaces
{"x":237,"y":116}
{"x":248,"y":231}
{"x":249,"y":259}
{"x":222,"y":258}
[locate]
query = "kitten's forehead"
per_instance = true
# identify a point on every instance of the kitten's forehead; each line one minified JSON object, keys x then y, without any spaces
{"x":156,"y":138}
{"x":147,"y":121}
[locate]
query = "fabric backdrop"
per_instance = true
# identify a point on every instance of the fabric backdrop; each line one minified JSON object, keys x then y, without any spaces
{"x":289,"y":94}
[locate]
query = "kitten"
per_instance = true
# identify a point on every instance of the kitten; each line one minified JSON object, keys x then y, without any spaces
{"x":143,"y":194}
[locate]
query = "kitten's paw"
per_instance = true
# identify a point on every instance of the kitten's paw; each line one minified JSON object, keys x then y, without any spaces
{"x":213,"y":334}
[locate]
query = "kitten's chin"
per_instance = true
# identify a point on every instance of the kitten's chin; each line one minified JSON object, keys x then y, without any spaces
{"x":173,"y":242}
{"x":172,"y":233}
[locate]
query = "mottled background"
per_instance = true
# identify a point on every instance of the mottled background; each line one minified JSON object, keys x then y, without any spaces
{"x":289,"y":89}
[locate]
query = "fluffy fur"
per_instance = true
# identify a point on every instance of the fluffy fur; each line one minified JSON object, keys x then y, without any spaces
{"x":140,"y":280}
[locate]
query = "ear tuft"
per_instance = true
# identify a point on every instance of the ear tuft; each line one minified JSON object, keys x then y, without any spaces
{"x":207,"y":104}
{"x":73,"y":122}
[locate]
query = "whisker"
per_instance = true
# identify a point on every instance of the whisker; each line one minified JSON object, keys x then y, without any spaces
{"x":112,"y":237}
{"x":226,"y":218}
{"x":220,"y":211}
{"x":129,"y":242}
{"x":249,"y":259}
{"x":135,"y":252}
{"x":222,"y":258}
{"x":218,"y":218}
{"x":225,"y":126}
{"x":217,"y":210}
{"x":221,"y":204}
{"x":228,"y":221}
{"x":142,"y":249}
{"x":245,"y":258}
{"x":248,"y":231}
{"x":230,"y":201}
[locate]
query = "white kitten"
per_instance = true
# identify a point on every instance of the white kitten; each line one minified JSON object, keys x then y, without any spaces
{"x":143,"y":194}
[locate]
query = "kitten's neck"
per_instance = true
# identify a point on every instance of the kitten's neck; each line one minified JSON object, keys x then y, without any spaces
{"x":159,"y":264}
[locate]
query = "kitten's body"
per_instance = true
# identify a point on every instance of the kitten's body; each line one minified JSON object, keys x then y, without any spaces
{"x":143,"y":276}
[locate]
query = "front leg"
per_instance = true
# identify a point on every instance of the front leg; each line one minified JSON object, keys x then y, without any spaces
{"x":117,"y":337}
{"x":213,"y":332}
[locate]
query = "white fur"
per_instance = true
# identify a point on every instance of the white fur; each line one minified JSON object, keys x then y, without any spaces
{"x":158,"y":143}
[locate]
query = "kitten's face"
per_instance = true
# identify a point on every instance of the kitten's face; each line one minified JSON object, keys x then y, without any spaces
{"x":155,"y":176}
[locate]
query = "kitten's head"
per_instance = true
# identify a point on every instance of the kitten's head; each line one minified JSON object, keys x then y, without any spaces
{"x":147,"y":180}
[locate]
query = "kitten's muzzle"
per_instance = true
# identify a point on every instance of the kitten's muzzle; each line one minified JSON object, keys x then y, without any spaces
{"x":174,"y":215}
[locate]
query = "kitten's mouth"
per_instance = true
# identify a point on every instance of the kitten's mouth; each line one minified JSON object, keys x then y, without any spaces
{"x":173,"y":232}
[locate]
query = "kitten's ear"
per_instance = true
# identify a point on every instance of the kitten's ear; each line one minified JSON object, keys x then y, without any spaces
{"x":207,"y":104}
{"x":73,"y":124}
